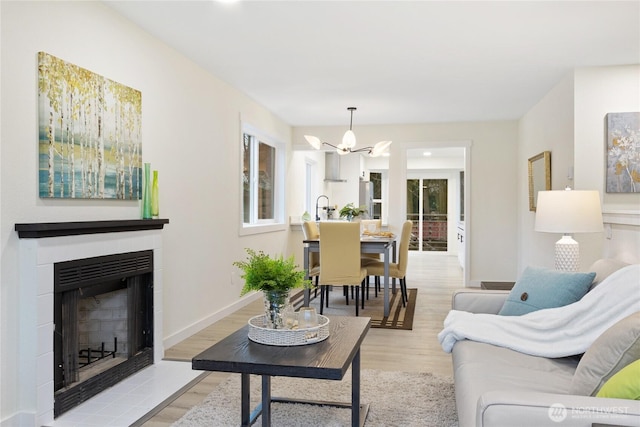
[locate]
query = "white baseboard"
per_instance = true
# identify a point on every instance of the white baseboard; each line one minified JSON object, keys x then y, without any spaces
{"x":192,"y":329}
{"x":20,"y":419}
{"x":474,"y":284}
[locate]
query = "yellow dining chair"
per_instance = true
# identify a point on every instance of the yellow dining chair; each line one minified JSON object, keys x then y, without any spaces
{"x":396,"y":270}
{"x":340,"y":259}
{"x":310,"y":231}
{"x":370,"y":226}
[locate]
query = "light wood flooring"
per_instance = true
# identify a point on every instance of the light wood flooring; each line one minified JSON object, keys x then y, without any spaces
{"x":435,"y":275}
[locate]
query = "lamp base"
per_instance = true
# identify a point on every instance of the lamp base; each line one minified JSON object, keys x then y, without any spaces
{"x":567,"y":254}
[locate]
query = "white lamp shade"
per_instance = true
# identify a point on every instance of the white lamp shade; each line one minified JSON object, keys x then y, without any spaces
{"x":349,"y":139}
{"x":314,"y":141}
{"x":568,"y":211}
{"x":380,"y":148}
{"x":342,"y":150}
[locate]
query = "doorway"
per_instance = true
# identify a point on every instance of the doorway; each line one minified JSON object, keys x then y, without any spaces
{"x":449,"y":160}
{"x":427,"y":208}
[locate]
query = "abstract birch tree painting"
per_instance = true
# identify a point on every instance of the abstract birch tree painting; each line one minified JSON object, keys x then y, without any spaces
{"x":623,"y":153}
{"x":90,"y":142}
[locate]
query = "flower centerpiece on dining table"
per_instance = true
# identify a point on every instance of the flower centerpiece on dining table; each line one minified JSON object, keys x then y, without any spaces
{"x":275,"y":277}
{"x":350,"y":211}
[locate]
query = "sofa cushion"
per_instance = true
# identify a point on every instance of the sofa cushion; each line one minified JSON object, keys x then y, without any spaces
{"x":617,"y":347}
{"x":540,"y":288}
{"x":479,"y":368}
{"x":468,"y":351}
{"x":623,"y":385}
{"x":603,"y":268}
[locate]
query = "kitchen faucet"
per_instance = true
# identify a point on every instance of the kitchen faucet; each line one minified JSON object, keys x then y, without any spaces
{"x":319,"y":197}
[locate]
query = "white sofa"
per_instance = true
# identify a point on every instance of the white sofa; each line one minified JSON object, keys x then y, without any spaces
{"x":499,"y":387}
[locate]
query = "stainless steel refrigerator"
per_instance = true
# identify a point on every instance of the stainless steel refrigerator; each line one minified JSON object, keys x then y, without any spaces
{"x":366,"y":197}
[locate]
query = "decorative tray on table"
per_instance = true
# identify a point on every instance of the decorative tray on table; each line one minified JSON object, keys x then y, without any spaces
{"x":259,"y":333}
{"x":377,"y":234}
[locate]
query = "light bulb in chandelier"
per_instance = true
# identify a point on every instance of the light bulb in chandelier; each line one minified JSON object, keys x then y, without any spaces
{"x":349,"y":139}
{"x":380,"y":148}
{"x":342,"y":150}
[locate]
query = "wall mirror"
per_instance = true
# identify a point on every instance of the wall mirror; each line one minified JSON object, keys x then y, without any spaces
{"x":539,"y":176}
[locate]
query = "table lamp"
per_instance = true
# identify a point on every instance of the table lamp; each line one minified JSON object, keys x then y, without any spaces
{"x":568,"y":211}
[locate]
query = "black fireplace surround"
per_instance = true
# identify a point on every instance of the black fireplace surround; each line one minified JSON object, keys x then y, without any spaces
{"x":90,"y":277}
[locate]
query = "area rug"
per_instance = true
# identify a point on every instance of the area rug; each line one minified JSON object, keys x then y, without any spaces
{"x":399,"y":317}
{"x":395,"y":399}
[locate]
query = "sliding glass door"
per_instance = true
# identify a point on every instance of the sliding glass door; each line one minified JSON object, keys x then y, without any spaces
{"x":427,"y":207}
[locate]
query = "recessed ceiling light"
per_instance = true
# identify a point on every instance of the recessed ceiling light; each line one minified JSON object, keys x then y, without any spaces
{"x":426,"y":153}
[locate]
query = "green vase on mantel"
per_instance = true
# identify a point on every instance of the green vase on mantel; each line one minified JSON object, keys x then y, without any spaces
{"x":155,"y":202}
{"x":146,"y":192}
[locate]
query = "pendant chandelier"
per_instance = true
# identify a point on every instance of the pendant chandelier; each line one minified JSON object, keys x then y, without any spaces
{"x":349,"y":142}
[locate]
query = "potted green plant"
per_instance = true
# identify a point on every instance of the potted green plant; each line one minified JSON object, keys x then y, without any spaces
{"x":350,"y":211}
{"x":275,"y":277}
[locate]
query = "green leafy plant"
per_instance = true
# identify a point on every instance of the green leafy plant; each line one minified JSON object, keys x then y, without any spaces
{"x":349,"y":211}
{"x":263,"y":273}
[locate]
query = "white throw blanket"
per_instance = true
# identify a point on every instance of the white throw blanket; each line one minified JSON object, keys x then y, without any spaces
{"x":553,"y":332}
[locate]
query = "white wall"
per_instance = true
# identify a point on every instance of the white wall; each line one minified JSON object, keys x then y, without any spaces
{"x":599,"y":91}
{"x":493,"y":213}
{"x":296,"y":184}
{"x":343,"y":193}
{"x":191,"y":134}
{"x":547,"y":126}
{"x":570,"y":121}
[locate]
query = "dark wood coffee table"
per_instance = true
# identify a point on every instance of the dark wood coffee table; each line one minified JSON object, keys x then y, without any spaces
{"x":328,"y":360}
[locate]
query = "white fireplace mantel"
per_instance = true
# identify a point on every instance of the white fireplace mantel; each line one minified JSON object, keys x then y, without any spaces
{"x":41,"y":246}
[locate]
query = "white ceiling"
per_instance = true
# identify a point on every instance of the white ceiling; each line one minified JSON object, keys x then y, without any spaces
{"x":397,"y":61}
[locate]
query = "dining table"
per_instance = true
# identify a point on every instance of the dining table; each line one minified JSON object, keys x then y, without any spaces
{"x":369,"y":244}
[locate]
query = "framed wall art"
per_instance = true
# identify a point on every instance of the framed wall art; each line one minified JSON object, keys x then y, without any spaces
{"x":623,"y":153}
{"x":89,"y":127}
{"x":539,"y":168}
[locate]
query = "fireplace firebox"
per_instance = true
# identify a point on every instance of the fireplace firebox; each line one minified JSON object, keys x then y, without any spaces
{"x":103,"y":315}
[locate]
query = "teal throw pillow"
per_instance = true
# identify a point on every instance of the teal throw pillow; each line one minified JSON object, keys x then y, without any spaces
{"x":540,"y":288}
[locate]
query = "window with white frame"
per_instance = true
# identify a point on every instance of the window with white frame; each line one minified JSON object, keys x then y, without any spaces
{"x":262,"y":179}
{"x":310,"y":183}
{"x":377,"y":181}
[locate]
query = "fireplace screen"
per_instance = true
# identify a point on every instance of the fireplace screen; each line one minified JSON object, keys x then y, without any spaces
{"x":103,"y":324}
